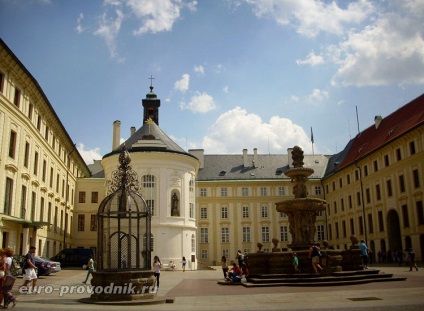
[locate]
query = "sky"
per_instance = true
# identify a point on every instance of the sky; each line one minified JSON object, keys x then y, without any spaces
{"x":230,"y":74}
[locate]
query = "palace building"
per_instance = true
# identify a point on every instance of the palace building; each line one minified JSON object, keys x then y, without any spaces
{"x":203,"y":205}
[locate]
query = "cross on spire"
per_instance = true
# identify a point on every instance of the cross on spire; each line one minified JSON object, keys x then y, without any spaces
{"x":151,"y":80}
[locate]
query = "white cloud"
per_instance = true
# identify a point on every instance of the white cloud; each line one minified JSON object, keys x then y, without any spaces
{"x":79,"y":27}
{"x":225,"y":89}
{"x":389,"y":51}
{"x":157,"y":15}
{"x":199,"y":69}
{"x":294,"y":98}
{"x":317,"y":95}
{"x":182,"y":84}
{"x":311,"y":59}
{"x":89,"y":155}
{"x":235,"y":130}
{"x":109,"y":29}
{"x":312,"y":17}
{"x":200,"y":103}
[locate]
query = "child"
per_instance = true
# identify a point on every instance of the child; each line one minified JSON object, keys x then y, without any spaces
{"x":295,"y":263}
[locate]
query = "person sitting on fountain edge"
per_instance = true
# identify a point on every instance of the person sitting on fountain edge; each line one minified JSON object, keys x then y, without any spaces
{"x":234,"y":274}
{"x":314,"y":254}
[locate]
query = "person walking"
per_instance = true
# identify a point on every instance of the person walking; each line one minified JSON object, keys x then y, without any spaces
{"x":157,"y":265}
{"x":224,"y":266}
{"x":314,"y":254}
{"x":9,"y":279}
{"x":295,"y":263}
{"x":184,"y":262}
{"x":364,"y":253}
{"x":90,"y":267}
{"x":30,"y":271}
{"x":412,"y":262}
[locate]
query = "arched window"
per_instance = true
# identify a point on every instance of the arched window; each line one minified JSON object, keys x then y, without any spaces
{"x":148,"y":189}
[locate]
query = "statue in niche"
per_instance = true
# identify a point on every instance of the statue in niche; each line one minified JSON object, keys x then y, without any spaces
{"x":175,"y":210}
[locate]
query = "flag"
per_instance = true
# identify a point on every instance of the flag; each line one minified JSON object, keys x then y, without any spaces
{"x":312,"y":136}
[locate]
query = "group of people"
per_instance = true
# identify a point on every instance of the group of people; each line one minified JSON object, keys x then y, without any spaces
{"x":7,"y":279}
{"x":237,"y":270}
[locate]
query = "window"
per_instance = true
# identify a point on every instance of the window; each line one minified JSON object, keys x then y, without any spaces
{"x":225,"y":235}
{"x":26,"y":155}
{"x":245,"y":191}
{"x":356,"y":175}
{"x":193,"y":243}
{"x":366,"y":170}
{"x":263,"y":191}
{"x":340,"y":182}
{"x":245,"y":211}
{"x":81,"y":222}
{"x":352,"y":227}
{"x":342,"y":204}
{"x":33,"y":205}
{"x":370,"y":224}
{"x":344,"y":228}
{"x":405,"y":216}
{"x":191,"y":187}
{"x":30,"y":111}
{"x":398,"y":154}
{"x":46,"y":133}
{"x":320,"y":232}
{"x":191,"y":210}
{"x":204,"y":238}
{"x":375,"y":163}
{"x":23,"y":202}
{"x":81,"y":196}
{"x":318,"y":190}
{"x":49,"y":213}
{"x":350,"y":201}
{"x":337,"y":230}
{"x":284,"y":235}
{"x":416,"y":177}
{"x":12,"y":144}
{"x":389,"y":188}
{"x":282,"y":214}
{"x":330,"y":233}
{"x":94,"y":197}
{"x":401,"y":183}
{"x":93,"y":222}
{"x":42,"y":209}
{"x":36,"y":163}
{"x":223,"y":192}
{"x":246,"y":234}
{"x":358,"y":198}
{"x":151,"y":204}
{"x":380,"y":221}
{"x":203,"y":213}
{"x":265,"y":234}
{"x":335,"y":207}
{"x":386,"y":160}
{"x":264,"y":211}
{"x":17,"y":97}
{"x":348,"y":179}
{"x":224,"y":212}
{"x":333,"y":185}
{"x":8,"y":196}
{"x":361,"y":225}
{"x":148,"y":181}
{"x":412,"y":147}
{"x":420,"y":212}
{"x":378,"y":192}
{"x":39,"y":123}
{"x":1,"y":82}
{"x":203,"y":192}
{"x":43,"y":178}
{"x":204,"y":254}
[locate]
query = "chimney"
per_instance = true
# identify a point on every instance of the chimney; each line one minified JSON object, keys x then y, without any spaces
{"x":132,"y":130}
{"x":255,"y":157}
{"x":377,"y":121}
{"x":116,"y":134}
{"x":245,"y":163}
{"x":289,"y":157}
{"x":199,"y":154}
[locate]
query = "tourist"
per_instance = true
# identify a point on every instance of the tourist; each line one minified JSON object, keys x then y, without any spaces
{"x":234,"y":275}
{"x":2,"y":274}
{"x":9,"y":279}
{"x":364,"y":253}
{"x":157,"y":265}
{"x":184,"y":262}
{"x":224,"y":266}
{"x":240,"y":260}
{"x":314,"y":254}
{"x":412,"y":262}
{"x":30,"y":270}
{"x":295,"y":263}
{"x":90,"y":266}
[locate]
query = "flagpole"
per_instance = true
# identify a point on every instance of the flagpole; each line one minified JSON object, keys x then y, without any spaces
{"x":312,"y":141}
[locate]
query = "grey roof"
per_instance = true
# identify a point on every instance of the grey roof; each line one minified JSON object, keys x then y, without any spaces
{"x":149,"y":137}
{"x":230,"y":167}
{"x":335,"y":160}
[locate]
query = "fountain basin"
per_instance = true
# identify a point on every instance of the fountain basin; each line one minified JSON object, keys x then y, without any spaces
{"x":301,"y":204}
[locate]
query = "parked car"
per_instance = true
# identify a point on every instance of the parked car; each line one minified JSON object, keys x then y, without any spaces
{"x":54,"y":265}
{"x":73,"y":257}
{"x":44,"y":267}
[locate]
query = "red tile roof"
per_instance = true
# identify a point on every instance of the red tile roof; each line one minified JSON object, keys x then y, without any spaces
{"x":391,"y":127}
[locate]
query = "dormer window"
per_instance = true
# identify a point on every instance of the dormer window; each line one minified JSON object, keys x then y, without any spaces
{"x":222,"y":173}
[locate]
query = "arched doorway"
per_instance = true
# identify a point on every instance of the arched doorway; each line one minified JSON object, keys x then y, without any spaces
{"x":393,"y":231}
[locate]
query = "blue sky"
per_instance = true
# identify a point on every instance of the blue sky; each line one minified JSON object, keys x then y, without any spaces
{"x":231,"y":74}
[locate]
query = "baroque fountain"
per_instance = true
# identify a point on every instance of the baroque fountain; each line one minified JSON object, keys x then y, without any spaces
{"x":301,"y":212}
